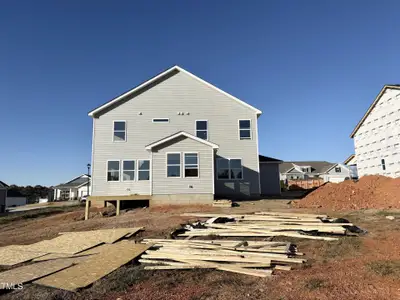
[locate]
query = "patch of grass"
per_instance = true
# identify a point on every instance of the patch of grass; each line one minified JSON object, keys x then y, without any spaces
{"x":385,"y":267}
{"x":314,"y":284}
{"x":36,"y":213}
{"x":345,"y":246}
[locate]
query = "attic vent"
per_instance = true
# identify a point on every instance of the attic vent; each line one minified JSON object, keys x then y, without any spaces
{"x":161,"y":120}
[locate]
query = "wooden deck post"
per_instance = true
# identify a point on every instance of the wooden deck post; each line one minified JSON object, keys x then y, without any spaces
{"x":118,"y":207}
{"x":87,"y":209}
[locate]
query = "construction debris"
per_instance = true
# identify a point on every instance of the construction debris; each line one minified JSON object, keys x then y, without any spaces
{"x":68,"y":267}
{"x":256,"y":258}
{"x":222,"y":203}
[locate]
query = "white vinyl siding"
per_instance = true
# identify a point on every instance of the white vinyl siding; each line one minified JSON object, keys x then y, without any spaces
{"x":179,"y":93}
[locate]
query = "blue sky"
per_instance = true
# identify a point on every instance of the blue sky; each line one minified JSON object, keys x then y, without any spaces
{"x":312,"y":67}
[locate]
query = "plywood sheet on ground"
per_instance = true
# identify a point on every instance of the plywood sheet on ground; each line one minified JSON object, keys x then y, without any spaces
{"x":12,"y":255}
{"x":75,"y":242}
{"x":31,"y":272}
{"x":94,"y":268}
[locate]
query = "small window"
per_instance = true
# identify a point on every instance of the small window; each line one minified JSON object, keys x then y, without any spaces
{"x":244,"y":129}
{"x":229,"y":168}
{"x":143,"y":170}
{"x":128,"y":170}
{"x":191,"y":165}
{"x":119,"y":131}
{"x":338,"y":169}
{"x":383,"y":164}
{"x":202,"y":129}
{"x":173,"y":165}
{"x":113,"y":170}
{"x":161,"y":120}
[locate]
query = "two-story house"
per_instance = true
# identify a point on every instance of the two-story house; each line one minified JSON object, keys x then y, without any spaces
{"x":377,"y":135}
{"x":179,"y":139}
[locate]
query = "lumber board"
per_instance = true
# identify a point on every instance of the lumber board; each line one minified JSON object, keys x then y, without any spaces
{"x":281,"y":213}
{"x":16,"y":254}
{"x":207,"y":258}
{"x":283,"y":268}
{"x":94,"y":268}
{"x":32,"y":272}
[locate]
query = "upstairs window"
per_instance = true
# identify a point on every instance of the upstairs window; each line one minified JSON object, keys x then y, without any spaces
{"x":119,"y":131}
{"x":113,"y":170}
{"x":338,"y":169}
{"x":144,"y":170}
{"x":383,"y":164}
{"x":191,"y":165}
{"x":128,"y":170}
{"x":229,"y":168}
{"x":244,"y":129}
{"x":173,"y":165}
{"x":202,"y":129}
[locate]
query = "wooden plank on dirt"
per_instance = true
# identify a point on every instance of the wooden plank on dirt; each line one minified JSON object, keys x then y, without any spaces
{"x":16,"y":254}
{"x":225,"y":258}
{"x":94,"y":268}
{"x":32,"y":272}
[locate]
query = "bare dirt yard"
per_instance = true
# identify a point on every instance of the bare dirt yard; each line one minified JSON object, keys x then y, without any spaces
{"x":364,"y":267}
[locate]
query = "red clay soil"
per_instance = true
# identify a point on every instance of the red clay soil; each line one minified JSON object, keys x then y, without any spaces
{"x":378,"y":192}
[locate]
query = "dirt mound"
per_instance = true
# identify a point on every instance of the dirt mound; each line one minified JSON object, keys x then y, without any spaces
{"x":372,"y":191}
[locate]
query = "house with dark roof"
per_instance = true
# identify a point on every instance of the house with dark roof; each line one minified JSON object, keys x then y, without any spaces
{"x":15,"y":198}
{"x":377,"y":135}
{"x":298,"y":170}
{"x":74,"y":189}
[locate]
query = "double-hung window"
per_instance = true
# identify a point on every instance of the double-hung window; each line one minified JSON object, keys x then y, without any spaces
{"x":191,"y":165}
{"x":229,"y":168}
{"x":144,"y":170}
{"x":338,"y":169}
{"x":173,"y":165}
{"x":113,"y":170}
{"x":119,"y":134}
{"x":128,"y":170}
{"x":244,"y":129}
{"x":202,"y":129}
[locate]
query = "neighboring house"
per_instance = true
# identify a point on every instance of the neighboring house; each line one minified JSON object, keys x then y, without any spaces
{"x":73,"y":189}
{"x":15,"y":198}
{"x":351,"y":163}
{"x":3,"y":196}
{"x":178,"y":139}
{"x":269,"y":175}
{"x":377,"y":135}
{"x":329,"y":172}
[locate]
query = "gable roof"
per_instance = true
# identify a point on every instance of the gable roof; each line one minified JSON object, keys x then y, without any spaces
{"x":316,"y":166}
{"x":159,"y":76}
{"x":178,"y":134}
{"x":77,"y":182}
{"x":349,"y":159}
{"x":267,"y":159}
{"x":385,"y":87}
{"x":3,"y":185}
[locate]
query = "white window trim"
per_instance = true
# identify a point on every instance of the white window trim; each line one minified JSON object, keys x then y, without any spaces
{"x":195,"y":129}
{"x":137,"y":163}
{"x":180,"y":165}
{"x":119,"y":171}
{"x":160,"y":119}
{"x":251,"y":134}
{"x":198,"y":164}
{"x":229,"y":173}
{"x":126,"y":131}
{"x":123,"y":169}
